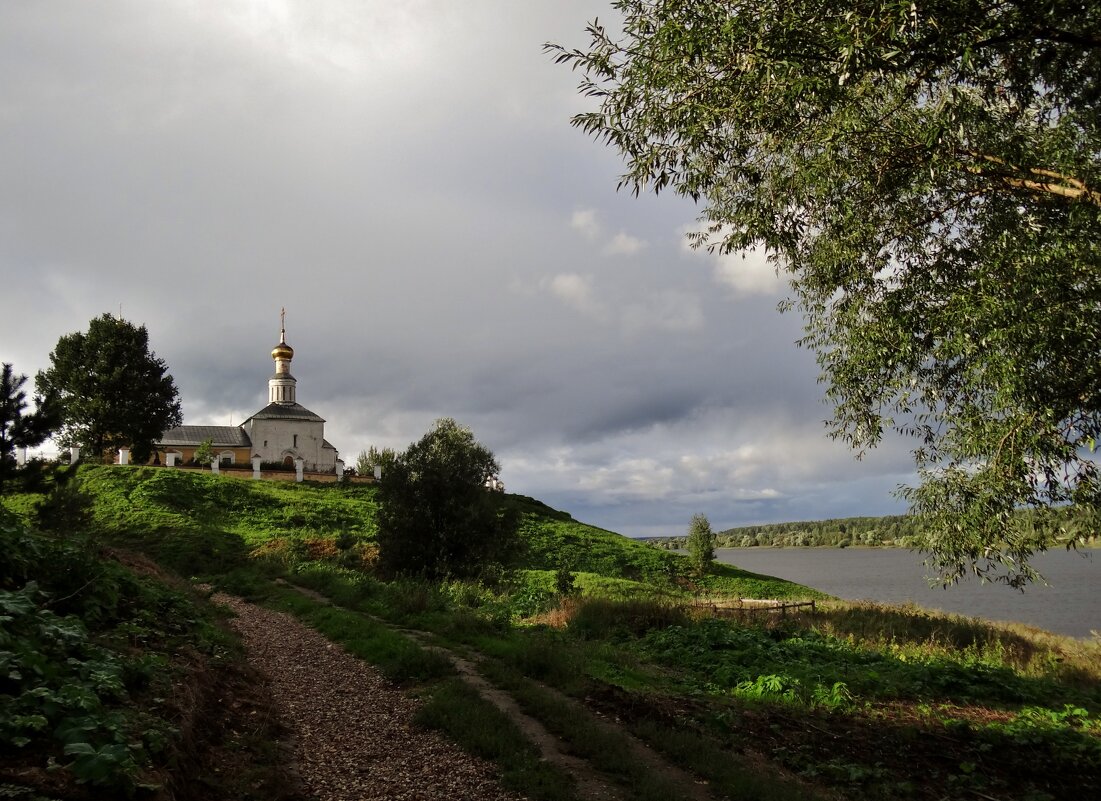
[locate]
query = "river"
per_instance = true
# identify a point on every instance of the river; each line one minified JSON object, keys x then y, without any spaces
{"x":1069,"y":604}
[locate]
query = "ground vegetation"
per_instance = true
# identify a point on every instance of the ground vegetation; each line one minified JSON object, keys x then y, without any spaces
{"x":854,"y":700}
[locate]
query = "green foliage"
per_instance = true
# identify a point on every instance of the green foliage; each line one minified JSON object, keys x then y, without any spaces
{"x":436,"y":517}
{"x":701,"y":544}
{"x":602,"y":746}
{"x":1063,"y":525}
{"x":73,"y":683}
{"x":565,"y":583}
{"x":204,"y":454}
{"x":926,"y":176}
{"x":728,"y":658}
{"x":65,"y":507}
{"x":200,"y":524}
{"x":371,"y":458}
{"x":19,"y":429}
{"x":111,"y":390}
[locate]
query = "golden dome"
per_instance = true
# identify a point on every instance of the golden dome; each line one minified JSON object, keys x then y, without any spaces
{"x":282,"y":351}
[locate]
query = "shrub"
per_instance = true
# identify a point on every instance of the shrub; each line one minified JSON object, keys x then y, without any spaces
{"x":436,"y":517}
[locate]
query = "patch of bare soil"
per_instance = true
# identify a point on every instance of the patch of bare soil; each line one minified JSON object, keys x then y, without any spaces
{"x":235,"y":745}
{"x":591,"y":784}
{"x":355,"y":736}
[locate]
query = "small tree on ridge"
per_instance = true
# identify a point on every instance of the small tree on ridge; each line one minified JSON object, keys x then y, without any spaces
{"x":701,"y":543}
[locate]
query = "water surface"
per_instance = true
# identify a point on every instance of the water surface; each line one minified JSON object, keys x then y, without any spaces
{"x":1069,"y":604}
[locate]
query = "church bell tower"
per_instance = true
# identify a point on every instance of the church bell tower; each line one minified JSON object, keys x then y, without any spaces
{"x":281,"y":385}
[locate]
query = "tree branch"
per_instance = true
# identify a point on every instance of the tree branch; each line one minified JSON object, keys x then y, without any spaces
{"x":1029,"y":178}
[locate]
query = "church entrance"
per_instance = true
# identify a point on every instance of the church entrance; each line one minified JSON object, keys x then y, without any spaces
{"x":288,"y":461}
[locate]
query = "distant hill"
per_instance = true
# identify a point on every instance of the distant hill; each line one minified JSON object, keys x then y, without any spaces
{"x":892,"y":531}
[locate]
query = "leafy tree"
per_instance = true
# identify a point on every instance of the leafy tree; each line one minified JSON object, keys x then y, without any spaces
{"x":112,"y":390}
{"x":204,"y":454}
{"x":19,"y":429}
{"x":436,"y":517}
{"x":928,"y":177}
{"x":701,"y":543}
{"x":372,"y":457}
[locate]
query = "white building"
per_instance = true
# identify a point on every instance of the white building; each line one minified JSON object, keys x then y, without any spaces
{"x":283,"y":431}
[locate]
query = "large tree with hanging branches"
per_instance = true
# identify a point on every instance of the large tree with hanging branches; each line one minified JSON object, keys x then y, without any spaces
{"x":928,"y":174}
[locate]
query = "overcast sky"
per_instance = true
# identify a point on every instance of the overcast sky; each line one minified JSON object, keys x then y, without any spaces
{"x":401,"y":175}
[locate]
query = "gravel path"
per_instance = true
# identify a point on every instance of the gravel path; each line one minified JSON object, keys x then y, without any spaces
{"x":355,"y":736}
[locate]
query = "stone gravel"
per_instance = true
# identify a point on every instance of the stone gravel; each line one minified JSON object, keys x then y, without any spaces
{"x":355,"y":737}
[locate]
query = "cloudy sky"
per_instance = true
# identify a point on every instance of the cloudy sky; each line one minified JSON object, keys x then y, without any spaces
{"x":401,"y":175}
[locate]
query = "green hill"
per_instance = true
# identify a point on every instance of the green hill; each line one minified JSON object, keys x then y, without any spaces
{"x":199,"y":524}
{"x":862,"y":701}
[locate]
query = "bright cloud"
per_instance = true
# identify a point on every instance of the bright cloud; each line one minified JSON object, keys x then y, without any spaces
{"x":584,"y":220}
{"x":746,"y":273}
{"x":576,"y":291}
{"x":623,"y":244}
{"x":749,"y":273}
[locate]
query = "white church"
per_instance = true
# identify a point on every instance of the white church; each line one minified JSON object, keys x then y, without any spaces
{"x":282,"y":432}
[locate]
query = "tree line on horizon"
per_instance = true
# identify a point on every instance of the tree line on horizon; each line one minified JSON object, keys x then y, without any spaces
{"x":1067,"y":524}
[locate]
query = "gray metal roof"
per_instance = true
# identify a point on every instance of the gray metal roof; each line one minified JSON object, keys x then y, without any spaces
{"x":286,"y":411}
{"x":220,"y":436}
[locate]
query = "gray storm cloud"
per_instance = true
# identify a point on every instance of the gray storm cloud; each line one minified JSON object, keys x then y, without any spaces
{"x":403,"y":178}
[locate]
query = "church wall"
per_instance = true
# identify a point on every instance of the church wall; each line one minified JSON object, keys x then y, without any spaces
{"x":279,"y":436}
{"x":241,"y":456}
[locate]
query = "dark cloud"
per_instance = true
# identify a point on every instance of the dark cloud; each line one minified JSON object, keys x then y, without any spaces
{"x":403,"y":178}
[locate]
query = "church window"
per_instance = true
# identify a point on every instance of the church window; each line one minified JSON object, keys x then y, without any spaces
{"x":295,"y":440}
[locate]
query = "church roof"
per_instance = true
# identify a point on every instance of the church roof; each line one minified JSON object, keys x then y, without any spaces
{"x":286,"y":411}
{"x":220,"y":436}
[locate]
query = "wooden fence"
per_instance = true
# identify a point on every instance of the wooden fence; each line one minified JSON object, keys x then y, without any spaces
{"x":745,"y":607}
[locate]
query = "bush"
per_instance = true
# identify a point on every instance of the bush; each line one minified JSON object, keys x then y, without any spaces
{"x":436,"y":517}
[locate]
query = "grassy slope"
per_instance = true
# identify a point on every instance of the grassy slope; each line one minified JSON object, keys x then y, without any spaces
{"x":870,"y":701}
{"x":200,"y":523}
